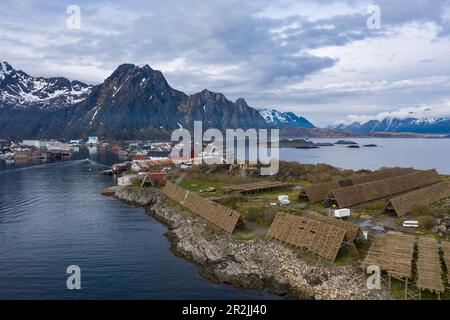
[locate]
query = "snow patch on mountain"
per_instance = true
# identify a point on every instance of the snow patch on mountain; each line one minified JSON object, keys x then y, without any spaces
{"x":20,"y":90}
{"x":5,"y":70}
{"x":425,"y":113}
{"x":423,"y":119}
{"x":284,"y":119}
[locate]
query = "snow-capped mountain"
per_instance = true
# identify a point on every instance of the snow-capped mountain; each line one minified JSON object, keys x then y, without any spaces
{"x":20,"y":90}
{"x":284,"y":119}
{"x":134,"y":102}
{"x":430,"y":126}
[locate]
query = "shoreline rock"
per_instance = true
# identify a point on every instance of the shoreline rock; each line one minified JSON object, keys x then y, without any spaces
{"x":259,"y":264}
{"x":345,"y":142}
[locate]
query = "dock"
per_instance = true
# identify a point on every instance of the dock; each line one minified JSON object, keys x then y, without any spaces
{"x":107,"y":172}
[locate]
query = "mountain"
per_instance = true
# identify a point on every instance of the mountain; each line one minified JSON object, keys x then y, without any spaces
{"x":413,"y":125}
{"x":19,"y":90}
{"x":133,"y":102}
{"x":284,"y":119}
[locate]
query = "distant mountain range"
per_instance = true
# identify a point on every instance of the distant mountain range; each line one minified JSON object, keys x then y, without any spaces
{"x":413,"y":125}
{"x":284,"y":119}
{"x":137,"y":102}
{"x":19,"y":90}
{"x":134,"y":102}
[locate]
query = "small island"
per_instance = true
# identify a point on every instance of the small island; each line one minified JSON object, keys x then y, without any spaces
{"x":346,"y":142}
{"x":298,"y":144}
{"x":303,"y":144}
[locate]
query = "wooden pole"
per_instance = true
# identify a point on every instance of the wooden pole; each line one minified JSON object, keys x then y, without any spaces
{"x":406,"y":289}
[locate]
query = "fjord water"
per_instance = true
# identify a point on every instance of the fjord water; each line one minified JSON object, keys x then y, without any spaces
{"x":391,"y":152}
{"x":53,"y":216}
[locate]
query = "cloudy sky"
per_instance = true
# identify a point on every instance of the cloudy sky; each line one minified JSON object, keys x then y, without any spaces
{"x":316,"y":58}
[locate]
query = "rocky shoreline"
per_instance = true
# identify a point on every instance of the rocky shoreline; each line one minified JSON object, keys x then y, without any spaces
{"x":260,"y":264}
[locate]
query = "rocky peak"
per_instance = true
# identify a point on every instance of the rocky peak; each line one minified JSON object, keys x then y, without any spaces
{"x":133,"y":102}
{"x":5,"y":70}
{"x":241,"y":104}
{"x":21,"y":90}
{"x":145,"y":80}
{"x":284,"y":119}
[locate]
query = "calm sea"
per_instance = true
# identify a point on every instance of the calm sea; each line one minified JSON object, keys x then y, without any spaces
{"x":391,"y":152}
{"x":53,"y":216}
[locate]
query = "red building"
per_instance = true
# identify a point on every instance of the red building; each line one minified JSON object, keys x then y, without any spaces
{"x":156,"y":177}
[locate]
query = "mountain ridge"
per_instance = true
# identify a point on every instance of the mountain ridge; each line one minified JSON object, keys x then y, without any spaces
{"x":395,"y":125}
{"x":133,"y":102}
{"x":281,"y":119}
{"x":20,"y":90}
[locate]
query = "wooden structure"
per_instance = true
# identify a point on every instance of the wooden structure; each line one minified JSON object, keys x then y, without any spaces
{"x":429,"y":267}
{"x":318,"y":237}
{"x":446,"y":251}
{"x":262,"y":186}
{"x":352,"y":231}
{"x":215,"y":213}
{"x":319,"y":192}
{"x":404,"y":204}
{"x":358,"y":194}
{"x":392,"y":253}
{"x":153,"y":178}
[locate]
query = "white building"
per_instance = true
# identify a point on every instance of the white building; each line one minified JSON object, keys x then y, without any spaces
{"x":127,"y":179}
{"x":341,"y":213}
{"x":93,"y":140}
{"x":31,"y":143}
{"x":75,"y":142}
{"x":56,"y":145}
{"x":43,"y":144}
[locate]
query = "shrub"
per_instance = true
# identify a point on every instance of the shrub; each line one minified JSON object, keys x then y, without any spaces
{"x":270,"y":215}
{"x":421,"y":210}
{"x":427,"y":222}
{"x":253,"y":214}
{"x":424,"y":210}
{"x":232,"y":201}
{"x":260,"y":216}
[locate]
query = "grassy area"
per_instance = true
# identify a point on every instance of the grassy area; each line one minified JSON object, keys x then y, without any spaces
{"x":345,"y":259}
{"x":294,"y":171}
{"x":258,"y":214}
{"x":398,"y":291}
{"x":259,"y":210}
{"x":371,"y":208}
{"x":254,"y":208}
{"x":244,"y":235}
{"x":136,"y":185}
{"x":200,"y":186}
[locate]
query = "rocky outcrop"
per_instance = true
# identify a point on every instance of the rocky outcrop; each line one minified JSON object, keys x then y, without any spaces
{"x":442,"y":227}
{"x":256,"y":264}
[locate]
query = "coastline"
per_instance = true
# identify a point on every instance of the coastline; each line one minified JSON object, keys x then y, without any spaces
{"x":259,"y":264}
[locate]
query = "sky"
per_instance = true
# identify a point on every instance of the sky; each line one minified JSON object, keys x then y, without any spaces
{"x":320,"y":59}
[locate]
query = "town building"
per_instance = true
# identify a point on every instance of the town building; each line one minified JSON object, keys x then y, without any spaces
{"x":93,"y":140}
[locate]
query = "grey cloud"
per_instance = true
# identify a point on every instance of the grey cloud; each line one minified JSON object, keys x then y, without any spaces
{"x":203,"y":34}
